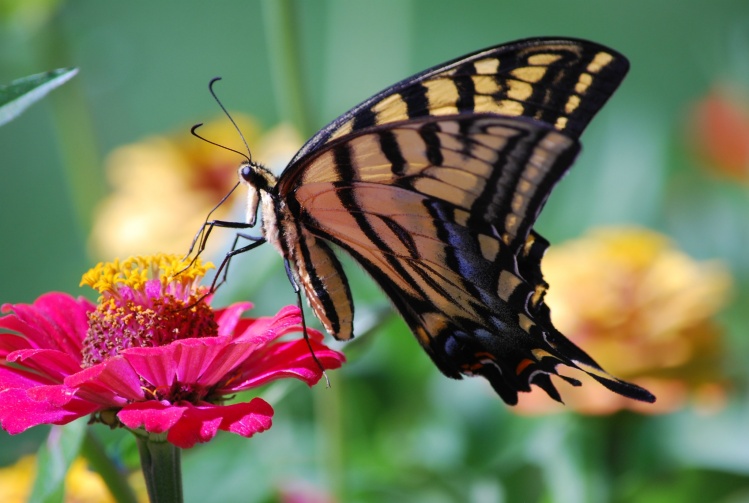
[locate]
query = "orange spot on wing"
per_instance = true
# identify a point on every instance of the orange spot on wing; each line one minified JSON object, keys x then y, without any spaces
{"x":523,"y":365}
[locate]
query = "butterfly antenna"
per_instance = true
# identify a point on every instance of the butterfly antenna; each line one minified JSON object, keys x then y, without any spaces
{"x":196,"y":135}
{"x":213,"y":93}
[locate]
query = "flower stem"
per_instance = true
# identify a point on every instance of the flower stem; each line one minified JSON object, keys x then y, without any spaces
{"x":160,"y":462}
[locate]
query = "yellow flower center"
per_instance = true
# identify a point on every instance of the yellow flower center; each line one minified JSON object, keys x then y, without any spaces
{"x":107,"y":277}
{"x":145,"y":301}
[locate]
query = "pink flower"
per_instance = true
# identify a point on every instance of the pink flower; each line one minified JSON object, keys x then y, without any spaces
{"x":151,"y":355}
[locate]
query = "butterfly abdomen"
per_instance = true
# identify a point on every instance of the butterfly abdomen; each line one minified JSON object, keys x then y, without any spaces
{"x":319,"y":273}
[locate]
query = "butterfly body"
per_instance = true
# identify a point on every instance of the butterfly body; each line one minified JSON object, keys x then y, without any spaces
{"x":433,"y":186}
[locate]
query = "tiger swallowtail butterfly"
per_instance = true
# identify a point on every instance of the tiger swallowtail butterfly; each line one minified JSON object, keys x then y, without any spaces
{"x":433,"y":185}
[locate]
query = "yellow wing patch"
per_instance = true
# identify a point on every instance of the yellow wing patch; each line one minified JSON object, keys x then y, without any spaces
{"x":442,"y":96}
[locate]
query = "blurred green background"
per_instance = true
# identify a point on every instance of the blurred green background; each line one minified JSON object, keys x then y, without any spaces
{"x":391,"y":428}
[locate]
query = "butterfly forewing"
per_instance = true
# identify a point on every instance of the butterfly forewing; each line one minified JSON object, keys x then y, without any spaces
{"x":562,"y":82}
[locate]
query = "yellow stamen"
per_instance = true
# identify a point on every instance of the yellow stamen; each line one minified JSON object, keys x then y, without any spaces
{"x":134,"y":272}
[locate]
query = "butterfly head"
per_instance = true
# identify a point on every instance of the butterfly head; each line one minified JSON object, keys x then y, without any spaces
{"x":259,"y":181}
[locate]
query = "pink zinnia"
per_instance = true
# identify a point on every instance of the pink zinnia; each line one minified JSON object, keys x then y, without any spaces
{"x":151,"y":355}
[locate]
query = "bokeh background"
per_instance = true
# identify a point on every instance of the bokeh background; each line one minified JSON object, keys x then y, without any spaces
{"x":653,"y":220}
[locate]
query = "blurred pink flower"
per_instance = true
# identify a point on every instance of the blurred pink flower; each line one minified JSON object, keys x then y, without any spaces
{"x":152,"y":354}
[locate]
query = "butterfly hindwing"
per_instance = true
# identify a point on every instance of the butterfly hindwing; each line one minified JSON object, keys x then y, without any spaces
{"x":439,"y":211}
{"x":324,"y":283}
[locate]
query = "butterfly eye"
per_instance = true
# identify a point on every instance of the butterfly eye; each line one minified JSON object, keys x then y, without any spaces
{"x":256,"y":176}
{"x":245,"y":171}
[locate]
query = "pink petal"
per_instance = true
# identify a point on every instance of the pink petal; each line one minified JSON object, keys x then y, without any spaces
{"x":12,"y":323}
{"x":254,"y":334}
{"x":266,"y":329}
{"x":197,"y":425}
{"x":227,"y":318}
{"x":231,"y":357}
{"x":153,"y":416}
{"x":200,"y":424}
{"x":155,"y":365}
{"x":12,"y":377}
{"x":185,"y":361}
{"x":56,"y":395}
{"x":49,"y":362}
{"x":289,"y":319}
{"x":196,"y":356}
{"x":53,"y":321}
{"x":188,"y":424}
{"x":11,"y":342}
{"x":19,"y":411}
{"x":111,"y":383}
{"x":246,"y":419}
{"x":288,"y":359}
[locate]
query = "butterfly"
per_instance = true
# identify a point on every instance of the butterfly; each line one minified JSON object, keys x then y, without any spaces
{"x":433,"y":185}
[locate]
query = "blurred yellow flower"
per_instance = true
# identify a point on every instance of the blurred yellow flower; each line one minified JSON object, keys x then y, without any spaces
{"x":81,"y":484}
{"x":718,"y":132}
{"x":642,"y":309}
{"x":164,"y":186}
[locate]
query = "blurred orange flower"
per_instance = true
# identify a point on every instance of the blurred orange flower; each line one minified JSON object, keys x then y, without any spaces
{"x":719,"y":132}
{"x":164,"y":186}
{"x":642,"y":309}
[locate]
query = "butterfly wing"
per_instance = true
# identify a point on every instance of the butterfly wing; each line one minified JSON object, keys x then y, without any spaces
{"x":433,"y":185}
{"x":562,"y":82}
{"x":439,"y":210}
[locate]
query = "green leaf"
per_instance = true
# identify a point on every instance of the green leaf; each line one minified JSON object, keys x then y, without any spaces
{"x":22,"y":93}
{"x":113,"y":476}
{"x":54,"y":459}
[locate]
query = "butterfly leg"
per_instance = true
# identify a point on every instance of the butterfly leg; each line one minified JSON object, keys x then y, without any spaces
{"x":202,"y":237}
{"x":205,"y":231}
{"x":224,"y":266}
{"x":298,"y":292}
